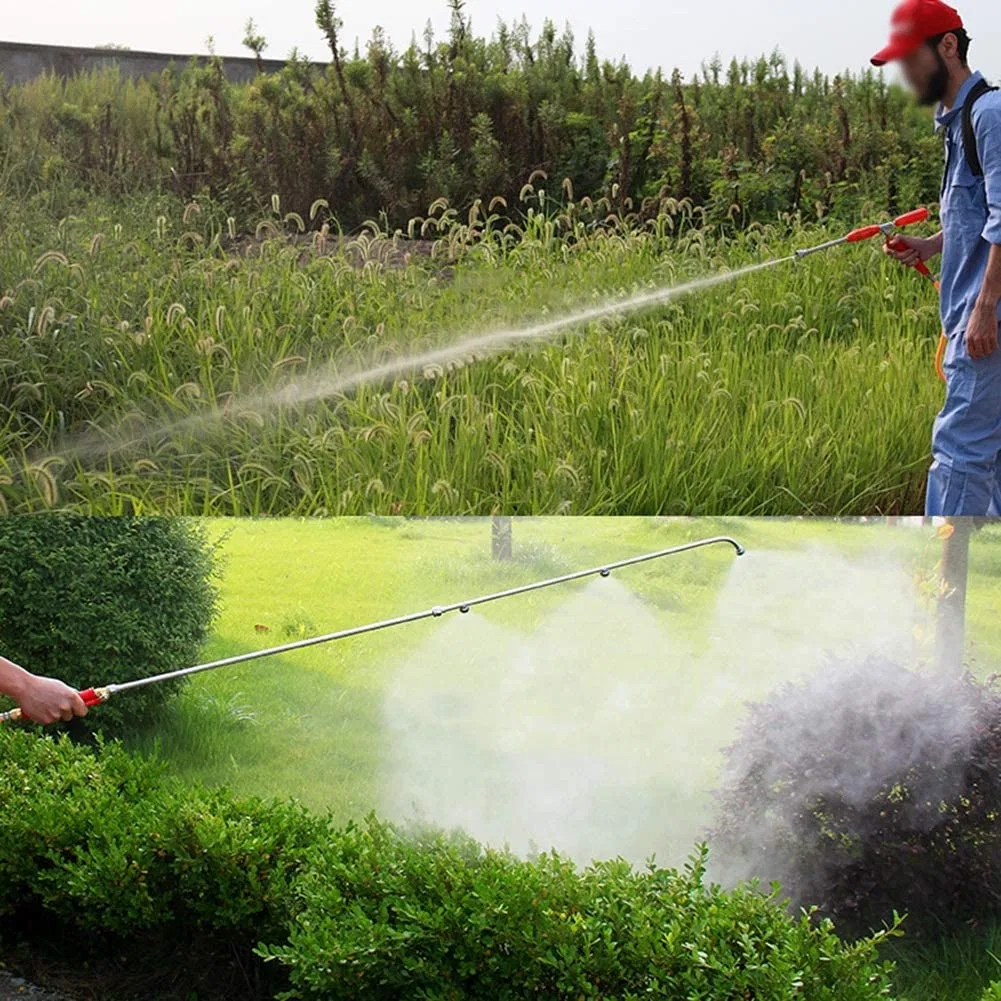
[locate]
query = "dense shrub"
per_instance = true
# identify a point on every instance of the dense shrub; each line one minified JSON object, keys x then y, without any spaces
{"x":100,"y":600}
{"x":388,"y":916}
{"x":869,"y":789}
{"x":100,"y":850}
{"x":106,"y":843}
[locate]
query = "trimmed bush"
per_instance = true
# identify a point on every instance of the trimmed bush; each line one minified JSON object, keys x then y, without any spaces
{"x":106,"y":843}
{"x":101,"y":850}
{"x":388,"y":916}
{"x":869,"y":789}
{"x":99,"y":600}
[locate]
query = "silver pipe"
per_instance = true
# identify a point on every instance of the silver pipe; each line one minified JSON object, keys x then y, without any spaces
{"x":887,"y":229}
{"x":437,"y":612}
{"x":800,"y":254}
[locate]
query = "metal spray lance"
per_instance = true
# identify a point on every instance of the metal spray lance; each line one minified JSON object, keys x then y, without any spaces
{"x":886,"y":229}
{"x":98,"y":695}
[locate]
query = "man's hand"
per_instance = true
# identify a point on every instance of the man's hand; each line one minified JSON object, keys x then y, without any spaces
{"x":909,"y":250}
{"x":982,"y":333}
{"x":46,"y":700}
{"x":42,"y":700}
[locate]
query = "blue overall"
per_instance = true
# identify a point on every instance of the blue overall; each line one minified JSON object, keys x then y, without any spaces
{"x":965,"y":477}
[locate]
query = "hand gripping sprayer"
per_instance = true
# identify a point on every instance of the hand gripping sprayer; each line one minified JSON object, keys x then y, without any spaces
{"x":890,"y":231}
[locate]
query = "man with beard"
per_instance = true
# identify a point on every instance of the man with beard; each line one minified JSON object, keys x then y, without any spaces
{"x":931,"y":45}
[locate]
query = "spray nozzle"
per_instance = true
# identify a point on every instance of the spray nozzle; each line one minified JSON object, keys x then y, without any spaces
{"x":437,"y":611}
{"x":464,"y":609}
{"x":605,"y":572}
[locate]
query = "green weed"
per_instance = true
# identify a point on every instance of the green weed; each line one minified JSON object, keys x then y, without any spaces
{"x":150,"y":368}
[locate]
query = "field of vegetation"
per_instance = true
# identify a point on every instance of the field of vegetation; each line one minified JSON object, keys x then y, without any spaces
{"x":182,"y":260}
{"x":332,"y":726}
{"x":314,"y":725}
{"x":209,"y":294}
{"x":153,"y":362}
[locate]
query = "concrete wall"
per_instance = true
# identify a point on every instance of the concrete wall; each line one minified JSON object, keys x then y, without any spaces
{"x":21,"y":61}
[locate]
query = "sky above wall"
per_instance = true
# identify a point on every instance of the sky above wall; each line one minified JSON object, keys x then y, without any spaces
{"x":680,"y":33}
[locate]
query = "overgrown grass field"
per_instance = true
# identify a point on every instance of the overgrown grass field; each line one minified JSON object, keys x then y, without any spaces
{"x":153,"y":359}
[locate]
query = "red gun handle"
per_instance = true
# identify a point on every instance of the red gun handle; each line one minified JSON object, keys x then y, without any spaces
{"x":865,"y":233}
{"x":895,"y":243}
{"x":911,"y":218}
{"x":91,"y":697}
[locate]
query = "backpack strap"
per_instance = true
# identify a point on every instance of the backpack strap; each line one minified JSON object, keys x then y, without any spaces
{"x":969,"y":132}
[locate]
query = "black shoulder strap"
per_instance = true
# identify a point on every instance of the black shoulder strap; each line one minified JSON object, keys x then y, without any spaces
{"x":969,"y":132}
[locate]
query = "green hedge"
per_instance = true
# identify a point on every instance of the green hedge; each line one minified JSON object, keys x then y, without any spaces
{"x":103,"y":843}
{"x":98,"y":600}
{"x":386,"y":916}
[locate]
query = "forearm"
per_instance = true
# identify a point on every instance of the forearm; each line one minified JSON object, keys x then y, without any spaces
{"x":42,"y":700}
{"x":990,"y":293}
{"x":13,"y":679}
{"x":936,"y":243}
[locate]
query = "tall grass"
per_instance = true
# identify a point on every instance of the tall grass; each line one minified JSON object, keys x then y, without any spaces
{"x":808,"y":388}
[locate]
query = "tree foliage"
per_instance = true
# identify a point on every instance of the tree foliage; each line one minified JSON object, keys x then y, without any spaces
{"x":382,"y":132}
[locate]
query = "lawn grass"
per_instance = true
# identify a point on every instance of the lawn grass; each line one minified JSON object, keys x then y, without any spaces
{"x":311,"y":724}
{"x":261,"y":726}
{"x":951,"y":968}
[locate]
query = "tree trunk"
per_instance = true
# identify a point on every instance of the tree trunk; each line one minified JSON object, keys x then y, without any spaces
{"x":950,"y":636}
{"x":501,"y":539}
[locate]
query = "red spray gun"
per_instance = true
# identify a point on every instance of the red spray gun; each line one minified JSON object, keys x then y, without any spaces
{"x":888,"y":230}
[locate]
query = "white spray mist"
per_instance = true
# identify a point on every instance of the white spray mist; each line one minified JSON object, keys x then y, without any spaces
{"x":600,"y":734}
{"x":338,"y":380}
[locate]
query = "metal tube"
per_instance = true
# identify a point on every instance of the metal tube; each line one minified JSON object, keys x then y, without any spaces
{"x":95,"y":696}
{"x":886,"y":228}
{"x":800,"y":254}
{"x":437,"y":612}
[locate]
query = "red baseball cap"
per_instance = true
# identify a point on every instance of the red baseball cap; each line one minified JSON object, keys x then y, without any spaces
{"x":912,"y":24}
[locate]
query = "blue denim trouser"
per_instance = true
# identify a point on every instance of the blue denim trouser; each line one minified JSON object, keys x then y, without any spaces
{"x":965,"y":477}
